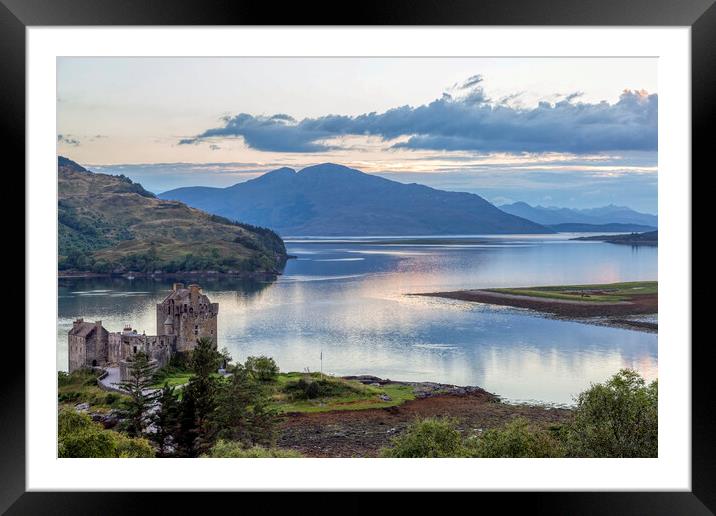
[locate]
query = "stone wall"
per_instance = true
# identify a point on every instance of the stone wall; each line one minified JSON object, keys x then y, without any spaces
{"x":188,"y":315}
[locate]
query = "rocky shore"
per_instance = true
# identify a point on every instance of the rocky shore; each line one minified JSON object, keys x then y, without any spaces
{"x":362,"y":433}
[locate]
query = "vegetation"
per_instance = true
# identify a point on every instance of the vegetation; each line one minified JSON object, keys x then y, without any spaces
{"x":110,"y":224}
{"x":313,"y":392}
{"x":308,"y":392}
{"x":234,"y":450}
{"x":238,"y":415}
{"x":81,"y":387}
{"x":516,"y":439}
{"x":165,"y":420}
{"x":199,"y":399}
{"x":615,"y":419}
{"x":429,"y":438}
{"x":244,"y":413}
{"x":79,"y":436}
{"x":606,"y":293}
{"x":263,"y":369}
{"x":141,"y":396}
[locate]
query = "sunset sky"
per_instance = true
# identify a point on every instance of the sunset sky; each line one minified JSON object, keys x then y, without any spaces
{"x":553,"y":131}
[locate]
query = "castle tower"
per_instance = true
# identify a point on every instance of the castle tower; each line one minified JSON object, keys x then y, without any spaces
{"x":186,"y":315}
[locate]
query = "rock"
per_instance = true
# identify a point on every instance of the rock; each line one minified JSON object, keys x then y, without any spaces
{"x":385,"y":397}
{"x":82,"y":407}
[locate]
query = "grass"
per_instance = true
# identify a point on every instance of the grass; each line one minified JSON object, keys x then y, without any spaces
{"x":81,"y":387}
{"x":349,"y":395}
{"x":174,"y":379}
{"x":599,"y":293}
{"x":336,"y":393}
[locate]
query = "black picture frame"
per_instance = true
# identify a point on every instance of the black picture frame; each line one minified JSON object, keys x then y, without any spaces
{"x":700,"y":15}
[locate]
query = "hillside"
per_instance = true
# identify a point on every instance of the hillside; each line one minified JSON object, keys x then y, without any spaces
{"x":648,"y":238}
{"x":334,"y":200}
{"x":605,"y":215}
{"x":110,"y":224}
{"x":576,"y":227}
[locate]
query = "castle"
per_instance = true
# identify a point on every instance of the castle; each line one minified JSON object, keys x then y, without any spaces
{"x":184,"y":316}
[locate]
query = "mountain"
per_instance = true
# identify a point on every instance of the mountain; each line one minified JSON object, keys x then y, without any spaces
{"x":605,"y":215}
{"x":331,"y":200}
{"x":577,"y":227}
{"x":108,"y":223}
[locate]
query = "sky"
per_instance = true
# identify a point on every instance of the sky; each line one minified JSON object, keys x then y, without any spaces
{"x":572,"y":132}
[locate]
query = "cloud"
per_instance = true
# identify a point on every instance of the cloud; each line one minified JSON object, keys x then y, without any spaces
{"x":464,"y":121}
{"x":67,"y":139}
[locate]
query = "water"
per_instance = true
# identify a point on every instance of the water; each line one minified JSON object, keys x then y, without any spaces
{"x":347,"y":298}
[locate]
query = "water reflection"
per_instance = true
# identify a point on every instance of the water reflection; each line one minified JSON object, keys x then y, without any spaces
{"x":348,"y":299}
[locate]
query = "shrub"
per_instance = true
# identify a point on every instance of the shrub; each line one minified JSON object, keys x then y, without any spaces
{"x":312,"y":390}
{"x":232,"y":449}
{"x":618,"y":418}
{"x":516,"y":439}
{"x":111,"y":398}
{"x":79,"y":436}
{"x":431,"y":437}
{"x":263,"y":369}
{"x":127,"y":447}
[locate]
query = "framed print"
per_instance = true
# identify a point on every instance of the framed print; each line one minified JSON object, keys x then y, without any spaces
{"x":408,"y":251}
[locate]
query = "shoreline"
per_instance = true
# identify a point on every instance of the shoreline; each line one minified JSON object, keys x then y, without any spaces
{"x":362,"y":433}
{"x":198,"y":274}
{"x":612,"y":314}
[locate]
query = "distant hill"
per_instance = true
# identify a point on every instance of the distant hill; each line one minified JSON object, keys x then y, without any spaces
{"x":108,"y":223}
{"x":605,"y":215}
{"x":334,"y":200}
{"x":648,"y":238}
{"x":575,"y":227}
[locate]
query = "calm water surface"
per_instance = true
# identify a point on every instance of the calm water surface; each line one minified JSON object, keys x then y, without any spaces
{"x":347,"y":298}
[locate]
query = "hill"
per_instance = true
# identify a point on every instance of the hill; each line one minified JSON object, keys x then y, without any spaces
{"x":109,"y":224}
{"x":334,"y":200}
{"x":576,"y":227}
{"x":605,"y":215}
{"x":648,"y":238}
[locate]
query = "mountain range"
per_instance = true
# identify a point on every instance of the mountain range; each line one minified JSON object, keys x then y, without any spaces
{"x":605,"y":215}
{"x":333,"y":200}
{"x":108,"y":224}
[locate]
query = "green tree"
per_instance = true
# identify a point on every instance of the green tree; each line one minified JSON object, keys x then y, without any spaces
{"x":243,"y":411}
{"x":226,"y":357}
{"x":186,"y":430}
{"x":618,"y":418}
{"x":432,"y":437}
{"x":516,"y":439}
{"x":263,"y":369}
{"x":199,"y":399}
{"x":165,"y":420}
{"x":141,"y":394}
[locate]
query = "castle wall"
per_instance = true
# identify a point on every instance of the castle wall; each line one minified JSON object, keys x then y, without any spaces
{"x":87,"y":349}
{"x":123,"y":345}
{"x":188,"y":315}
{"x":96,"y":346}
{"x":76,"y":349}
